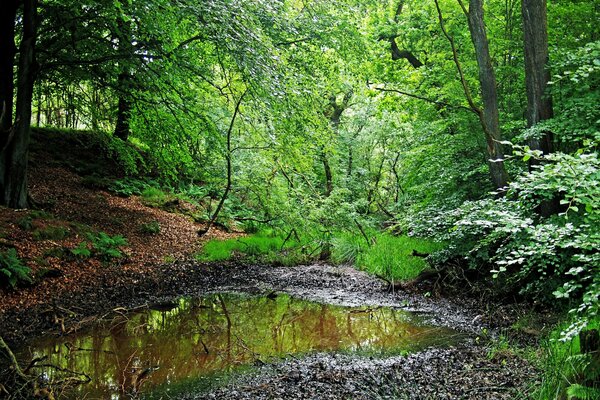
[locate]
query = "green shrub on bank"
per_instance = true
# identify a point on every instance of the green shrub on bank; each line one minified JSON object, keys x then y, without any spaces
{"x":567,"y":373}
{"x":264,"y":245}
{"x":12,"y":269}
{"x":392,"y":256}
{"x":385,"y":255}
{"x":102,"y":246}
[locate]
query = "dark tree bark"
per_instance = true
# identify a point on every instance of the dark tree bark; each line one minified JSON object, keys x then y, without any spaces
{"x":537,"y":75}
{"x":124,"y":81}
{"x":8,"y":51}
{"x":15,"y":144}
{"x":123,"y":109}
{"x":398,"y":54}
{"x":490,"y":115}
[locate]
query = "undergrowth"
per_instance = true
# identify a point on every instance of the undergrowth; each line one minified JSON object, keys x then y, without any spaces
{"x":567,"y":373}
{"x":386,"y":255}
{"x":265,"y":246}
{"x":12,"y":269}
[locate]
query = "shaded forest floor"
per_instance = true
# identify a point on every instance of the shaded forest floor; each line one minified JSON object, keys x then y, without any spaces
{"x":67,"y":210}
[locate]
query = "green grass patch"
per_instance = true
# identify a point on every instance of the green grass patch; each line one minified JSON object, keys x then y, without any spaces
{"x":264,"y":245}
{"x":387,"y":255}
{"x":568,"y":374}
{"x":51,"y":232}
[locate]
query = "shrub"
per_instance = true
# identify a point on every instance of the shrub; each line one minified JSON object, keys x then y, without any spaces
{"x":51,"y":233}
{"x":151,"y":228}
{"x":101,"y":246}
{"x":25,"y":223}
{"x":544,"y":257}
{"x":12,"y":268}
{"x":127,"y":187}
{"x":392,"y":256}
{"x":567,"y":373}
{"x":154,"y":197}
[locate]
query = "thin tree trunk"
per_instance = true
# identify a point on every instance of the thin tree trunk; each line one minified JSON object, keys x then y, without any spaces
{"x":7,"y":60}
{"x":123,"y":108}
{"x":537,"y":75}
{"x":215,"y":215}
{"x":14,"y":153}
{"x":124,"y":81}
{"x":487,"y":78}
{"x":489,"y":115}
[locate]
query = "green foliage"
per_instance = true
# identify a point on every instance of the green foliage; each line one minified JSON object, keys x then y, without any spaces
{"x":566,"y":372}
{"x":128,"y":186}
{"x":25,"y":223}
{"x":154,"y":197}
{"x":51,"y":232}
{"x":151,"y":228}
{"x":12,"y":269}
{"x":81,"y":251}
{"x":347,"y":247}
{"x":391,"y":256}
{"x":95,"y":181}
{"x":541,"y":256}
{"x":263,"y":245}
{"x":101,"y":246}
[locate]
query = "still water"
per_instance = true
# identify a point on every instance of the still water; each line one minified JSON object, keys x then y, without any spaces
{"x":194,"y":338}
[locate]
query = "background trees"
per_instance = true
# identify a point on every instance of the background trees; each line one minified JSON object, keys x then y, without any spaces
{"x":354,"y":115}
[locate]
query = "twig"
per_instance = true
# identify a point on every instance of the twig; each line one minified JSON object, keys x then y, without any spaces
{"x":13,"y":360}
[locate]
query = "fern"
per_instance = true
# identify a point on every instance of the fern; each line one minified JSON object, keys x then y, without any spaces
{"x":13,"y":269}
{"x":580,"y":392}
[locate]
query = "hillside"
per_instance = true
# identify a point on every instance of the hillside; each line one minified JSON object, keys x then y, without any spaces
{"x":69,"y":209}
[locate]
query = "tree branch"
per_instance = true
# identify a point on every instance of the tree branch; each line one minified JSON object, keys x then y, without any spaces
{"x":463,"y":81}
{"x":438,"y":102}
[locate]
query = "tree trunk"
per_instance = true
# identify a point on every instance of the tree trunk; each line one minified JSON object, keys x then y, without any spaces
{"x":489,"y":116}
{"x":537,"y":76}
{"x":124,"y":80}
{"x":15,"y":150}
{"x":535,"y":39}
{"x":7,"y":61}
{"x":124,"y":108}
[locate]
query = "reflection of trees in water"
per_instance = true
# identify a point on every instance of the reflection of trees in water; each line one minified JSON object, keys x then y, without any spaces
{"x":220,"y":331}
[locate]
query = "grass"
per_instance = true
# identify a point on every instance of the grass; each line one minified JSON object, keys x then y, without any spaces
{"x":568,"y":374}
{"x":388,"y":255}
{"x":263,"y":244}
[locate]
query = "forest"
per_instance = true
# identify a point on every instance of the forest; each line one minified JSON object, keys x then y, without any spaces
{"x":311,"y":199}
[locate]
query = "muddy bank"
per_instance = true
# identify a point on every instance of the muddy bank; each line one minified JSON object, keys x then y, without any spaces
{"x":464,"y":372}
{"x":456,"y":373}
{"x":117,"y":289}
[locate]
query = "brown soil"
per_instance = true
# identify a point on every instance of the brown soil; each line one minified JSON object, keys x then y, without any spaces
{"x":72,"y":209}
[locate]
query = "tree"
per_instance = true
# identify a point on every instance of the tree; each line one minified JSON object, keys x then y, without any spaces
{"x":537,"y":74}
{"x":489,"y":114}
{"x":14,"y":150}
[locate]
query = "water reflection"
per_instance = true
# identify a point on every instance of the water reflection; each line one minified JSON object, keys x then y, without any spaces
{"x":195,"y":337}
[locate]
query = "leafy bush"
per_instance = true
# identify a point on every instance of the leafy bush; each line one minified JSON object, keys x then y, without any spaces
{"x":151,"y":228}
{"x":153,"y":196}
{"x":392,"y":256}
{"x":82,"y":250}
{"x":263,"y":244}
{"x":567,"y":372}
{"x":51,"y":233}
{"x":95,"y":181}
{"x":538,"y":255}
{"x":12,"y":268}
{"x":127,"y":186}
{"x":25,"y":223}
{"x":102,"y":246}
